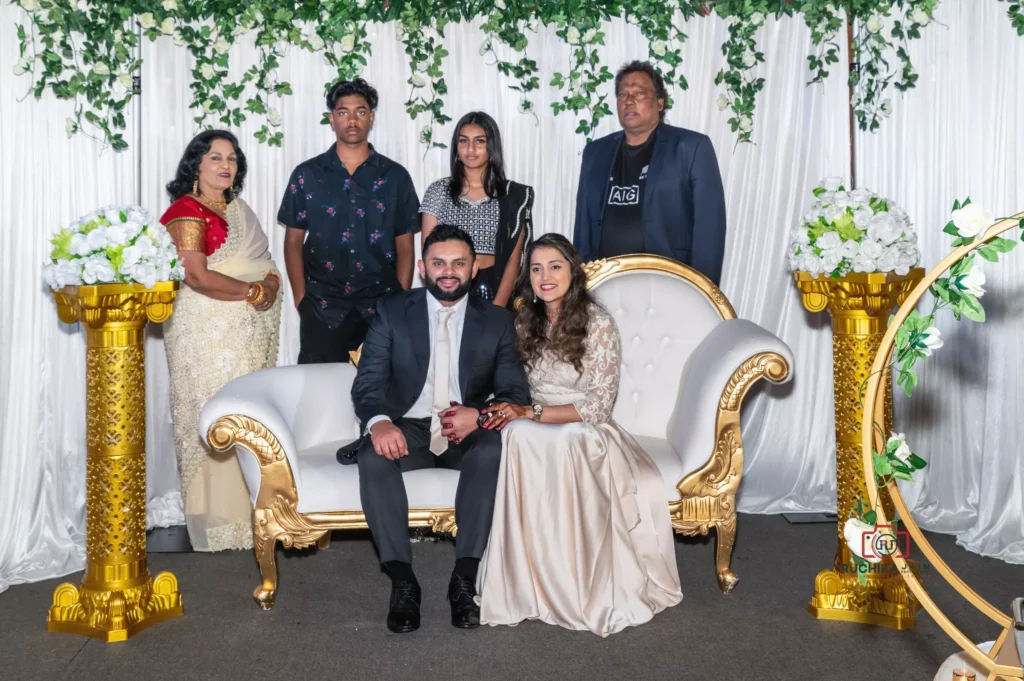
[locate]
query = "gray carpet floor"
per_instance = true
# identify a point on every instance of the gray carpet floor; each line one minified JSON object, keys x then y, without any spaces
{"x":328,"y":623}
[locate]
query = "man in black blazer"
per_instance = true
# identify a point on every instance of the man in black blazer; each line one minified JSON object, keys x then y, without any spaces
{"x":416,"y":419}
{"x":652,"y":187}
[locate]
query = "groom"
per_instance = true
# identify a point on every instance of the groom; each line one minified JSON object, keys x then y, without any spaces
{"x":433,"y":353}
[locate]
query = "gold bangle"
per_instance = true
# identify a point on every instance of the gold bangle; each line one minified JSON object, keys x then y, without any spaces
{"x":255,"y":293}
{"x":274,"y":275}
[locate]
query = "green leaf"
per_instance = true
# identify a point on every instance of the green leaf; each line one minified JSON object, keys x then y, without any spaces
{"x":950,"y":228}
{"x":917,"y":462}
{"x":972,"y":309}
{"x":989,"y":253}
{"x":882,"y":465}
{"x":870,"y":517}
{"x":900,"y":475}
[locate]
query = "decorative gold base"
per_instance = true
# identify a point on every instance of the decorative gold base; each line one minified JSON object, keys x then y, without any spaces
{"x":884,"y":601}
{"x":114,"y":614}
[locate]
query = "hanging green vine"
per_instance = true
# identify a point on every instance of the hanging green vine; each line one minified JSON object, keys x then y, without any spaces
{"x":89,"y":52}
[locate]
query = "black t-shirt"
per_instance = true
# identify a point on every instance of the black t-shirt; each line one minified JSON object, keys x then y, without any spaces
{"x":622,"y":229}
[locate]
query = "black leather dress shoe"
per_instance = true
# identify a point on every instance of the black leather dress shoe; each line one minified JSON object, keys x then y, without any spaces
{"x":404,"y":614}
{"x":462,"y":596}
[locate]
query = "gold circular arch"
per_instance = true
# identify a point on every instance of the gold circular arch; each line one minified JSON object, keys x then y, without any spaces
{"x":871,"y":440}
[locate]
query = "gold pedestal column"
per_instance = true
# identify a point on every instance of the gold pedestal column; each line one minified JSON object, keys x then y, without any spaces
{"x":117,"y":598}
{"x":860,"y":305}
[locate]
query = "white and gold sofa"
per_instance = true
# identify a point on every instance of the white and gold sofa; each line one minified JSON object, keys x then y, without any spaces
{"x":687,"y":365}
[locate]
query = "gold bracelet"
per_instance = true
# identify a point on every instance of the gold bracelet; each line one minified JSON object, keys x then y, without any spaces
{"x":274,"y":275}
{"x":255,"y":294}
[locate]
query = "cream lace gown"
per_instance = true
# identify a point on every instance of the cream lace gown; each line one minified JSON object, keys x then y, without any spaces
{"x":581,"y":535}
{"x":209,"y":343}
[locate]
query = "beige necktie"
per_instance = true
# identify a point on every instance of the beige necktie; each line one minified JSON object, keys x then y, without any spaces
{"x":439,"y":443}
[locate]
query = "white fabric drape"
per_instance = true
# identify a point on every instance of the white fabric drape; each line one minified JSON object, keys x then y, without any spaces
{"x":950,"y":138}
{"x":802,"y":136}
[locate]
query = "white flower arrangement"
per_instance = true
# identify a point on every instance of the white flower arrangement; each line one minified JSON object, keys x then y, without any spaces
{"x":855,"y":231}
{"x":113,"y":245}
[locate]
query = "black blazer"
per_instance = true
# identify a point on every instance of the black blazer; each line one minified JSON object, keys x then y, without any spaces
{"x":684,"y":204}
{"x":396,"y":353}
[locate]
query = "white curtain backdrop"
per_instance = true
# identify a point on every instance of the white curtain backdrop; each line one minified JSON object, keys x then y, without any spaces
{"x":802,"y":136}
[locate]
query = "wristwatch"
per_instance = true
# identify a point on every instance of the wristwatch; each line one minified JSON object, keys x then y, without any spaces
{"x":538,"y":409}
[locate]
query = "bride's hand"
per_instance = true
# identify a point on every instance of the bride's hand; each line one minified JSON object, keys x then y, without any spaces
{"x":501,"y":414}
{"x":271,"y":285}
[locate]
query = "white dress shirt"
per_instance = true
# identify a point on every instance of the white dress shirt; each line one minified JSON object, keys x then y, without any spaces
{"x":422,"y":407}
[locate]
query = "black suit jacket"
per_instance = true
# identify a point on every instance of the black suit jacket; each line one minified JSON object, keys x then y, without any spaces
{"x":396,"y":353}
{"x":684,"y":204}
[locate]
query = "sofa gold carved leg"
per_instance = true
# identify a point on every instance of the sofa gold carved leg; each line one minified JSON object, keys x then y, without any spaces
{"x":324,"y":542}
{"x":265,"y":544}
{"x":726,"y":537}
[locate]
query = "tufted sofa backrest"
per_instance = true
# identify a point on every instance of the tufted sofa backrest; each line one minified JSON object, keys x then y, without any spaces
{"x":663,"y":309}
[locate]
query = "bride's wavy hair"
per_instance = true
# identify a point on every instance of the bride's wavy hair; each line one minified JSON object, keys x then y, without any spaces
{"x":568,"y":336}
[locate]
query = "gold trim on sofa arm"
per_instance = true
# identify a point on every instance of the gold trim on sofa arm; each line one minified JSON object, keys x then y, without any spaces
{"x":276,"y":517}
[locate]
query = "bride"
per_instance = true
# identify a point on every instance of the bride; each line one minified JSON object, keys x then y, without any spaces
{"x":581,"y":535}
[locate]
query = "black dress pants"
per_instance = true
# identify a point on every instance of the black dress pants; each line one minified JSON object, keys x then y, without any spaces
{"x":320,"y":344}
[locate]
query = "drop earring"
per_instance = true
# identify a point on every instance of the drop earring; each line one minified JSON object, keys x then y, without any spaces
{"x":195,"y":186}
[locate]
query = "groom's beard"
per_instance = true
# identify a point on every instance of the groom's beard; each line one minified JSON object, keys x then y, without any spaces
{"x":448,"y":296}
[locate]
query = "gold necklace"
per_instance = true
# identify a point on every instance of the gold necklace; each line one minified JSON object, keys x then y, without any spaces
{"x":221,"y":206}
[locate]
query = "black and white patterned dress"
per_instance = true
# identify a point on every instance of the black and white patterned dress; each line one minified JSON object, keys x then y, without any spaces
{"x":480,"y":219}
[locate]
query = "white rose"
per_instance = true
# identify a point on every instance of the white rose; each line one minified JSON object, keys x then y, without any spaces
{"x":889,"y":260}
{"x":30,"y":5}
{"x":831,"y":184}
{"x":118,"y":235}
{"x":70,"y":127}
{"x":179,"y":40}
{"x":101,"y":68}
{"x":862,"y":263}
{"x":590,"y":35}
{"x":756,"y":18}
{"x":829,"y":241}
{"x":874,"y":23}
{"x":833,"y":213}
{"x":919,"y":16}
{"x":167,"y":26}
{"x":856,"y":532}
{"x":871,"y":249}
{"x":830,"y":260}
{"x":811,"y":264}
{"x":861,"y":196}
{"x":147,"y":20}
{"x":145,"y":274}
{"x":971,"y":220}
{"x":842,"y":200}
{"x":659,"y":48}
{"x":902,"y":450}
{"x":348,"y":43}
{"x":80,"y":245}
{"x":572,"y":36}
{"x":316,"y":43}
{"x":499,"y":4}
{"x":207,"y":106}
{"x":850,"y":249}
{"x":973,"y":282}
{"x":932,"y":340}
{"x":126,"y":80}
{"x":22,"y":67}
{"x":417,"y":80}
{"x":800,"y":236}
{"x":222,"y":45}
{"x":862,"y":217}
{"x":884,"y":229}
{"x":723,"y":102}
{"x":206,"y":71}
{"x":749,"y":59}
{"x":170,"y":5}
{"x":274,"y":116}
{"x":886,"y":108}
{"x":746,"y":125}
{"x":97,"y":269}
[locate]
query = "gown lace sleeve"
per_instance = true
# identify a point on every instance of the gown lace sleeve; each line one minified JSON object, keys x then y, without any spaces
{"x":600,"y":368}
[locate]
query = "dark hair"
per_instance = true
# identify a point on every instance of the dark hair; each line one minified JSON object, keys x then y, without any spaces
{"x":442,"y":233}
{"x":344,"y":88}
{"x":568,"y":336}
{"x":188,"y":166}
{"x":494,"y":176}
{"x":637,"y":66}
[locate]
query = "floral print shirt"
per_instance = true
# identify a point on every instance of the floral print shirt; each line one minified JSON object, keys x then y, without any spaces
{"x":351,"y":221}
